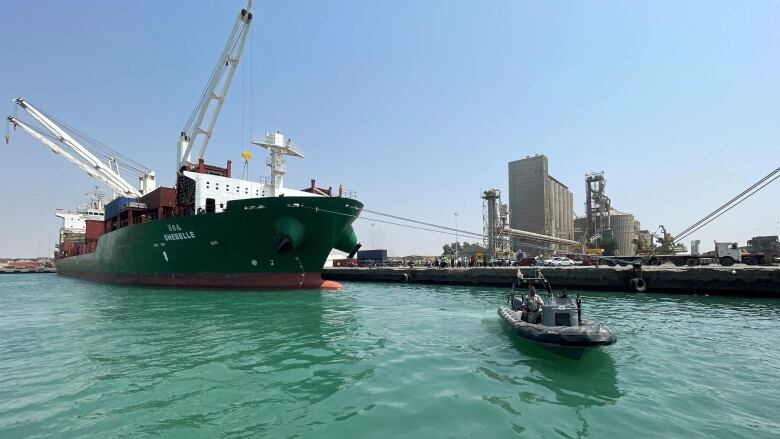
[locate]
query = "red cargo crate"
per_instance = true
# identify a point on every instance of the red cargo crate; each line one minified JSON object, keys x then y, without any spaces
{"x":345,"y":262}
{"x":94,"y":230}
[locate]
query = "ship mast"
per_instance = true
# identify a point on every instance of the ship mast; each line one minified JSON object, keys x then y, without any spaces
{"x":201,"y":123}
{"x":277,"y":149}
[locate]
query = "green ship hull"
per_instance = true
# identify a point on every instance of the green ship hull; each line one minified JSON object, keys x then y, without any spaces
{"x":272,"y":242}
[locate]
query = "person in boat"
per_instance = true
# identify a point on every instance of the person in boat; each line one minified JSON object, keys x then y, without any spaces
{"x":563,"y":298}
{"x":532,"y":306}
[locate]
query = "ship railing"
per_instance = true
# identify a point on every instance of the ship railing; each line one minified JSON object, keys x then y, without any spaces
{"x":348,"y":193}
{"x":276,"y":165}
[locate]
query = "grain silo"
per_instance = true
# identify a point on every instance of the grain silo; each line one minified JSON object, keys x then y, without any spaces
{"x":624,"y":233}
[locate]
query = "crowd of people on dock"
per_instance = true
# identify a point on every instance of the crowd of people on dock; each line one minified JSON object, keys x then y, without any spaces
{"x":468,"y":262}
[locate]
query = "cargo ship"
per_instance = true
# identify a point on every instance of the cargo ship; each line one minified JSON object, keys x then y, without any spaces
{"x":211,"y":230}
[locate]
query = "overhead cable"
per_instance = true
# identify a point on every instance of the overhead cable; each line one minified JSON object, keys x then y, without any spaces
{"x":683,"y":236}
{"x":689,"y":230}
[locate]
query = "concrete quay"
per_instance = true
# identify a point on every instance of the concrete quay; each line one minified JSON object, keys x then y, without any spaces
{"x":27,"y":271}
{"x":736,"y":280}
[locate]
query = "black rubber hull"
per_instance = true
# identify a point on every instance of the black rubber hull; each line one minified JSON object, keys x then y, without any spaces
{"x":569,"y":341}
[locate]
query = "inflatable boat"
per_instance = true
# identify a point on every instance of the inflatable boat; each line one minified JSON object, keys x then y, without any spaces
{"x":559,"y":326}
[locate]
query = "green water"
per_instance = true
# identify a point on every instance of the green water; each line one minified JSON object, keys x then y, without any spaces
{"x":79,"y":359}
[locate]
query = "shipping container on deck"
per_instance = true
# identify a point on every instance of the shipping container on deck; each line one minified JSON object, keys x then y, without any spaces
{"x":68,"y":248}
{"x":160,"y":203}
{"x":123,"y":212}
{"x":113,"y":208}
{"x":94,"y":230}
{"x":160,"y":197}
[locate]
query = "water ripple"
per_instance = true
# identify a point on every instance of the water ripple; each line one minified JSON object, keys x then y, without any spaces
{"x":79,"y":359}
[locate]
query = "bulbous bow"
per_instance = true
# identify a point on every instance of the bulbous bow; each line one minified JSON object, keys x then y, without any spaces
{"x":348,"y":242}
{"x":290,"y":234}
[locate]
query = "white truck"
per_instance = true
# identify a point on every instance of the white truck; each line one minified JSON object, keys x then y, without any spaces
{"x":726,"y":254}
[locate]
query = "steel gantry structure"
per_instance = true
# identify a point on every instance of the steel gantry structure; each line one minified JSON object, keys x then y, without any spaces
{"x":497,"y":234}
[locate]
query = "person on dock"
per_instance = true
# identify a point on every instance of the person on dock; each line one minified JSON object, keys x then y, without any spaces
{"x":532,"y":306}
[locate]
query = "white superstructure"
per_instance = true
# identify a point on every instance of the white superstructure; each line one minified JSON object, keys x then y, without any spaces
{"x":212,"y":192}
{"x":72,"y":221}
{"x":76,"y":222}
{"x":219,"y":190}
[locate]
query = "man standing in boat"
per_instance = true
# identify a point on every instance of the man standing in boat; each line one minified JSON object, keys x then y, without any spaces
{"x":532,"y":306}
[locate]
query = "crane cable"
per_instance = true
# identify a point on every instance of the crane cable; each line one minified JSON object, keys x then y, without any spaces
{"x":416,"y":221}
{"x":448,"y":231}
{"x":97,"y":147}
{"x":683,"y":236}
{"x":756,"y":187}
{"x":699,"y":224}
{"x":217,"y":69}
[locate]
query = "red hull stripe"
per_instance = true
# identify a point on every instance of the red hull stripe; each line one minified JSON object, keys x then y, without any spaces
{"x":251,"y":281}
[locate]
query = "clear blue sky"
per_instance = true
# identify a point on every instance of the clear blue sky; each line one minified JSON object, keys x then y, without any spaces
{"x":415,"y":105}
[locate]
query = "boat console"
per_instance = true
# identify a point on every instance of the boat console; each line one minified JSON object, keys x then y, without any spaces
{"x":560,"y":312}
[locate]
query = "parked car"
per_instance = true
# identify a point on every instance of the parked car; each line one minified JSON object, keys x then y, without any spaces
{"x":526,"y":262}
{"x":559,"y":262}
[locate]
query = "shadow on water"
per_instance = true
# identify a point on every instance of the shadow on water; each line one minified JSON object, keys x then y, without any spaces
{"x":590,"y":381}
{"x":543,"y":382}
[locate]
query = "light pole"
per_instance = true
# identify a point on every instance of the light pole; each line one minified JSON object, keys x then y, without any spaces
{"x":456,"y":236}
{"x":373,"y":245}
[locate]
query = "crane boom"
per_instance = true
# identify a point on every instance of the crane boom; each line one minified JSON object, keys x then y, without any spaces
{"x":67,"y":156}
{"x":195,"y":132}
{"x":108,"y":175}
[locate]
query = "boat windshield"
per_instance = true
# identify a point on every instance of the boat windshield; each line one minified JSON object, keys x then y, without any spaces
{"x":557,"y":300}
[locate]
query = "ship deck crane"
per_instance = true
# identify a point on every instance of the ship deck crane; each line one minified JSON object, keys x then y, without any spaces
{"x":200,"y":126}
{"x":86,"y":160}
